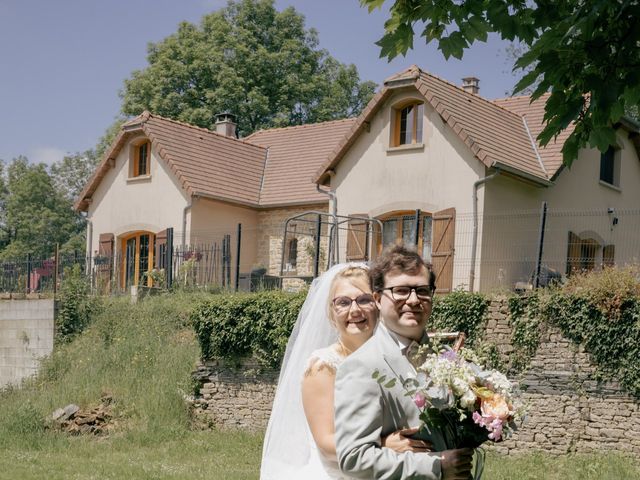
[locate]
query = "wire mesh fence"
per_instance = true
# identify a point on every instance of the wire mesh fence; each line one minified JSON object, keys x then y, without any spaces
{"x":513,"y":250}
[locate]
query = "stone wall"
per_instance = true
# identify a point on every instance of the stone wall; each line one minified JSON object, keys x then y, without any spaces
{"x":568,"y":410}
{"x":26,"y":335}
{"x":270,"y":231}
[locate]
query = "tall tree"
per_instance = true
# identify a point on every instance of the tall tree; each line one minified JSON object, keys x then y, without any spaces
{"x":249,"y":59}
{"x":36,"y":216}
{"x":71,"y":174}
{"x":585,"y":53}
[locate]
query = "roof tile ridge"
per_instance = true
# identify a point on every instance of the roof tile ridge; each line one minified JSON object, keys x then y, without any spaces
{"x":304,"y":125}
{"x":202,"y":129}
{"x":515,"y":97}
{"x":472,"y":95}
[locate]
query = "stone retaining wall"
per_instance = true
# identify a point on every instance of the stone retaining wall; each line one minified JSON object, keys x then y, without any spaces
{"x":569,"y":411}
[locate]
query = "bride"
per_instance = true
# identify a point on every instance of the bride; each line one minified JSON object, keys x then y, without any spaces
{"x":337,"y":317}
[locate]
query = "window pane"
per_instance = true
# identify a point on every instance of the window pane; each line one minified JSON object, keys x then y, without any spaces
{"x":426,"y":238}
{"x":409,"y":230}
{"x":406,"y":124}
{"x":144,"y":257}
{"x":389,"y":232}
{"x":142,"y":159}
{"x":130,"y":266}
{"x":607,"y":165}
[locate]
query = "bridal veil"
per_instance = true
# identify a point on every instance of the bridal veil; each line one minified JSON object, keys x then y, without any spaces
{"x":287,"y":440}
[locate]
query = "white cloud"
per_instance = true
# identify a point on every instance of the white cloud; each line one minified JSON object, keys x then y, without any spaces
{"x":48,"y":155}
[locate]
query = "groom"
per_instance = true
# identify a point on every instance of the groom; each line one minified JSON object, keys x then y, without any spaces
{"x":365,"y":411}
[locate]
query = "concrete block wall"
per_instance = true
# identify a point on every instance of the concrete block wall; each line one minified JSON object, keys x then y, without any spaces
{"x":26,"y":335}
{"x":568,"y":410}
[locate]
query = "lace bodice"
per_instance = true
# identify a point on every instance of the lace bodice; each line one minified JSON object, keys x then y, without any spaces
{"x":327,"y":357}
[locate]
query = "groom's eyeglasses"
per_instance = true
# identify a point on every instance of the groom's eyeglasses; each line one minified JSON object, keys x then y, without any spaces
{"x":401,"y":293}
{"x":341,"y":304}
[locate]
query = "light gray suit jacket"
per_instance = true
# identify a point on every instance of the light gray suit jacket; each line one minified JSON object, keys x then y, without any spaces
{"x":365,"y":411}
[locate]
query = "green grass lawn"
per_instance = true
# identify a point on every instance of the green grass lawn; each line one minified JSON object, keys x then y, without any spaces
{"x":236,"y":456}
{"x":143,"y":355}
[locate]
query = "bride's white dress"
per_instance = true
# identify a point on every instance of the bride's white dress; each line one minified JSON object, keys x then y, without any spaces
{"x":320,"y":467}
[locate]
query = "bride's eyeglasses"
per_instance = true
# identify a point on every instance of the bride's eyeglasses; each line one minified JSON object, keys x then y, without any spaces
{"x":342,"y":304}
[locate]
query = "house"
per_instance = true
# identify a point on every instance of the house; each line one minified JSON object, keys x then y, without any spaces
{"x":463,"y":178}
{"x":162,"y":178}
{"x":427,"y":162}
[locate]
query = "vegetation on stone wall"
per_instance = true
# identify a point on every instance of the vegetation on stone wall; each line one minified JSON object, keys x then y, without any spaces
{"x":600,"y":310}
{"x":235,"y":327}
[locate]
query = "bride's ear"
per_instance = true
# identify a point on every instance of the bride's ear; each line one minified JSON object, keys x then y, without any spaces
{"x":376,"y":297}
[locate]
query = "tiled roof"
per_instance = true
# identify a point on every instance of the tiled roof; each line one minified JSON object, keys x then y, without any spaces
{"x":204,"y":162}
{"x":551,"y":154}
{"x":270,"y":168}
{"x":496,"y":135}
{"x":294,"y":155}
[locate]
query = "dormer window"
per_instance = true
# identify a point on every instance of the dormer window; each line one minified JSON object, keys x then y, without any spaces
{"x":141,"y":160}
{"x":407,"y":124}
{"x":610,"y":167}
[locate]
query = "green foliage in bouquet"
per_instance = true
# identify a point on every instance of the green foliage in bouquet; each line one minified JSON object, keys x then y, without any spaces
{"x":236,"y":327}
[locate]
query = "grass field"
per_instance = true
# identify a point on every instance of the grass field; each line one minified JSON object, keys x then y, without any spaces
{"x":143,"y":355}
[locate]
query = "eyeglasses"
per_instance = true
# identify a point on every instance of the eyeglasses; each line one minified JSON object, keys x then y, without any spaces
{"x":402,"y":292}
{"x":342,"y":304}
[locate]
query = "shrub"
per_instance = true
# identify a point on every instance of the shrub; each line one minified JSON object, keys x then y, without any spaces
{"x":460,"y":311}
{"x":76,"y":304}
{"x":235,"y":327}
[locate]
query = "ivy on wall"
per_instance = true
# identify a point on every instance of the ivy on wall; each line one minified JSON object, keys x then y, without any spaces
{"x":599,"y":310}
{"x":235,"y":327}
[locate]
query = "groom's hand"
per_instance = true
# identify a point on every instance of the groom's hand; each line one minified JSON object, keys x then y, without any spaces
{"x":400,"y":441}
{"x":456,"y":464}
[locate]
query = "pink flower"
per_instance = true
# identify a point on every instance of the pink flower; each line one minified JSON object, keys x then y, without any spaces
{"x":420,"y":400}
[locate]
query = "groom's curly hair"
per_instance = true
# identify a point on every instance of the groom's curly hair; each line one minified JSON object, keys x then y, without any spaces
{"x":398,"y":259}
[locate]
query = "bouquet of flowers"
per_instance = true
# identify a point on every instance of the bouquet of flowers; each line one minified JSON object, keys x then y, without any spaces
{"x":469,"y":404}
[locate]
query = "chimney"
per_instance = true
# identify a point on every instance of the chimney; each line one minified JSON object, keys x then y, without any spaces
{"x":226,"y":124}
{"x":471,"y":85}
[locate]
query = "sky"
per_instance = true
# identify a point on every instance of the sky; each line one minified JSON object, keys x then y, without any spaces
{"x":63,"y":62}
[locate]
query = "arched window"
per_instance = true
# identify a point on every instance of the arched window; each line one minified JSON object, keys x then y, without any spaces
{"x":407,"y":124}
{"x":292,"y":258}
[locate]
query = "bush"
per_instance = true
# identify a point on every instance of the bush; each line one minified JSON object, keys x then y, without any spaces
{"x":76,"y":304}
{"x":235,"y":327}
{"x":460,"y":311}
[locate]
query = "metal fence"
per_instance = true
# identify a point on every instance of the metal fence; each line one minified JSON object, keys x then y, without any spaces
{"x":514,"y":250}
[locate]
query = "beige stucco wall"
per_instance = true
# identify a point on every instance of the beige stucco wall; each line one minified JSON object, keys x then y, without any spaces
{"x":211,"y":220}
{"x":374,"y":179}
{"x":577,"y":202}
{"x":121,"y":204}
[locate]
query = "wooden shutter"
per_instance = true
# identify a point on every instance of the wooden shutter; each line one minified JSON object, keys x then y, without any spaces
{"x":608,"y":256}
{"x":358,"y":238}
{"x":159,"y":256}
{"x":105,"y":248}
{"x":444,"y":223}
{"x":104,"y":266}
{"x":574,"y":253}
